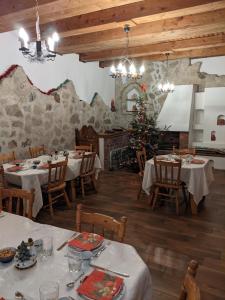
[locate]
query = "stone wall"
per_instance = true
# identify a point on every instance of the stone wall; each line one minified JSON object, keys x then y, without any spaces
{"x":30,"y":117}
{"x":181,"y":72}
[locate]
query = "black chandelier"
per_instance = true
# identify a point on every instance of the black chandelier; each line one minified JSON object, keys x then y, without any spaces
{"x":126,"y":67}
{"x":39,"y":50}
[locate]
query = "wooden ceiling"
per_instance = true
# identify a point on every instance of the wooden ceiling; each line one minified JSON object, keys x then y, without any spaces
{"x":94,"y":28}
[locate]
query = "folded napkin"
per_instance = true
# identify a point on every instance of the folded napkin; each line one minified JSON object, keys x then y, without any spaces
{"x":44,"y":166}
{"x":77,"y":156}
{"x":197,"y":161}
{"x":86,"y":241}
{"x":14,"y":169}
{"x":17,"y":161}
{"x":100,"y":286}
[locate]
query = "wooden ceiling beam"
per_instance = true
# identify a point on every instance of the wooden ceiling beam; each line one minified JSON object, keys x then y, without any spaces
{"x":136,"y":13}
{"x":152,"y":32}
{"x":196,"y":53}
{"x":14,"y":15}
{"x":168,"y":47}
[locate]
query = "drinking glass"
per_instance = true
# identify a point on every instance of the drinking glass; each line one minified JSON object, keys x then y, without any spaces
{"x":47,"y":248}
{"x":49,"y":291}
{"x":74,"y":262}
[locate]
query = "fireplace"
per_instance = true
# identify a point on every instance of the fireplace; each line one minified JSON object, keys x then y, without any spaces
{"x":168,"y":139}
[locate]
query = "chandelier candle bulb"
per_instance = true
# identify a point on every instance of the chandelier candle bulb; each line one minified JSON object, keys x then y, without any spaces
{"x":24,"y":36}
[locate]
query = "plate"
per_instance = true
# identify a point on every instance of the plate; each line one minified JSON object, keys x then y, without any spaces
{"x":22,"y":265}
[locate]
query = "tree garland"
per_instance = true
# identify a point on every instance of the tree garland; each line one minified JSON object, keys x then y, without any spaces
{"x":11,"y":69}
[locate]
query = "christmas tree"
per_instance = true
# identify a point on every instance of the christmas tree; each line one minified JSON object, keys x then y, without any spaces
{"x":144,"y":131}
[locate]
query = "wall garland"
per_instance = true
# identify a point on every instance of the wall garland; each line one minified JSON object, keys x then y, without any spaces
{"x":13,"y":68}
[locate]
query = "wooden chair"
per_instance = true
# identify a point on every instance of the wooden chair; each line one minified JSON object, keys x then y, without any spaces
{"x":7,"y":157}
{"x":167,"y":175}
{"x":56,"y":187}
{"x":191,"y":151}
{"x":141,"y":158}
{"x":190,"y":289}
{"x":87,"y":171}
{"x":19,"y":200}
{"x":106,"y":224}
{"x":37,"y":151}
{"x":3,"y":183}
{"x":85,"y":148}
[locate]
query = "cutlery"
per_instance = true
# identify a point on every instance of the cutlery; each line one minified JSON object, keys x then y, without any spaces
{"x":100,"y":251}
{"x":109,"y":270}
{"x":71,"y":284}
{"x":19,"y":295}
{"x":64,"y":243}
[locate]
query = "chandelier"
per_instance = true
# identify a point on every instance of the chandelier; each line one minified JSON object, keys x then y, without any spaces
{"x":166,"y":87}
{"x":126,"y":67}
{"x":39,"y":50}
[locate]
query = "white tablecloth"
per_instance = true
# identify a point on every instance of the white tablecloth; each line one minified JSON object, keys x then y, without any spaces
{"x":197,"y":177}
{"x":35,"y":178}
{"x":120,"y":257}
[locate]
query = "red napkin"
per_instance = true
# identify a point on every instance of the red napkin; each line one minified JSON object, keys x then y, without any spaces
{"x":86,"y":241}
{"x":100,"y":286}
{"x":17,"y":161}
{"x":44,"y":166}
{"x":197,"y":161}
{"x":14,"y":169}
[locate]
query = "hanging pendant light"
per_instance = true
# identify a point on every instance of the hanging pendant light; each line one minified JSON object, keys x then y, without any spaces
{"x":126,"y":67}
{"x":40,"y":50}
{"x":166,"y":87}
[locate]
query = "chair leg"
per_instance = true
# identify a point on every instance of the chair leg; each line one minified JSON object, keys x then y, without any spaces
{"x":73,"y":190}
{"x":177,"y":202}
{"x":139,"y":193}
{"x":82,"y":187}
{"x":94,"y":182}
{"x":151,"y":196}
{"x":185,"y":195}
{"x":155,"y":198}
{"x":67,"y":199}
{"x":50,"y":204}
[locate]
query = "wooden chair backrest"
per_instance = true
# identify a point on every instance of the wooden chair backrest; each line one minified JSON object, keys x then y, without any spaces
{"x":167,"y":172}
{"x":36,"y":151}
{"x":85,"y":148}
{"x":87,"y":164}
{"x":190,"y":289}
{"x":141,"y":158}
{"x":17,"y":198}
{"x":2,"y":178}
{"x":191,"y":151}
{"x":57,"y":173}
{"x":106,"y":224}
{"x":7,"y":157}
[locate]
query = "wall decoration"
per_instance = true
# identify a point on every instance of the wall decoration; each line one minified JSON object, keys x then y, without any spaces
{"x":213,"y":136}
{"x":221,"y":120}
{"x":113,"y":107}
{"x":132,"y":97}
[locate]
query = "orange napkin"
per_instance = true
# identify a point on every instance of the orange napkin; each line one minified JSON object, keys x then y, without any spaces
{"x":14,"y":169}
{"x":197,"y":161}
{"x":86,"y":241}
{"x":100,"y":286}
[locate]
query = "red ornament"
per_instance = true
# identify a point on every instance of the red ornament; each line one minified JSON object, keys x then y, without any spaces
{"x":144,"y":87}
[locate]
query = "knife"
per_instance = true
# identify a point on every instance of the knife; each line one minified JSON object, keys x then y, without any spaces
{"x":64,"y":243}
{"x":109,"y":270}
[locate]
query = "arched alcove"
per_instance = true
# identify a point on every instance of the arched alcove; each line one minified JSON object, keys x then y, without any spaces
{"x":221,"y":120}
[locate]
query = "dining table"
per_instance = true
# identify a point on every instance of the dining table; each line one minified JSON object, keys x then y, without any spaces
{"x":196,"y":173}
{"x":116,"y":256}
{"x":29,"y":178}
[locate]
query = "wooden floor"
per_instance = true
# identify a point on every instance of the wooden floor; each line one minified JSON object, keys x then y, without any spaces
{"x":165,"y":242}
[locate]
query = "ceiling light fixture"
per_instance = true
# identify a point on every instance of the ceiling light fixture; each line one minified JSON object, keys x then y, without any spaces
{"x":126,"y":67}
{"x":166,"y":87}
{"x":40,"y":50}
